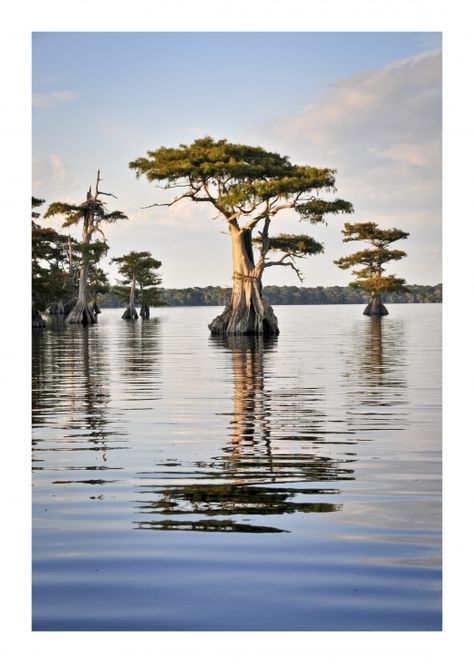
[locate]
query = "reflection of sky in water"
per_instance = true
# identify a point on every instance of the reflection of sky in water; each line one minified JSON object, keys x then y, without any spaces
{"x":328,"y":436}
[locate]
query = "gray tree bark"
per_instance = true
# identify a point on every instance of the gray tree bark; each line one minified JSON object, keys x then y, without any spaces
{"x":82,"y":312}
{"x":130,"y":312}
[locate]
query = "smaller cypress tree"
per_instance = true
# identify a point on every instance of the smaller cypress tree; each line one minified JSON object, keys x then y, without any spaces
{"x":370,"y":277}
{"x":138,"y":269}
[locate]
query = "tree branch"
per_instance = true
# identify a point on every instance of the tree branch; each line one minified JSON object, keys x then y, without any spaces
{"x":103,"y":193}
{"x":175,"y":200}
{"x":281,"y":263}
{"x":99,"y":230}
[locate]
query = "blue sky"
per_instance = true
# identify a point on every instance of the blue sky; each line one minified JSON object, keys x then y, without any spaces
{"x":368,"y":104}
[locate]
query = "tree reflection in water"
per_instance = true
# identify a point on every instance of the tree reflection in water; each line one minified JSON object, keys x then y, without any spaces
{"x":70,"y":404}
{"x":250,"y":484}
{"x":377,"y":377}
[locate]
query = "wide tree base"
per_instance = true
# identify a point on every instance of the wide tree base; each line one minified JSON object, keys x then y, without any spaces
{"x":375,"y":308}
{"x":82,"y":314}
{"x":130,"y":313}
{"x":245,"y":322}
{"x":145,"y":311}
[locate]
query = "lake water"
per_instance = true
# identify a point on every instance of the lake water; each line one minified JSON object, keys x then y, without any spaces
{"x":186,"y":483}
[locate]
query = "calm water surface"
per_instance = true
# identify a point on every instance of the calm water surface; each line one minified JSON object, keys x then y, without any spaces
{"x":186,"y":483}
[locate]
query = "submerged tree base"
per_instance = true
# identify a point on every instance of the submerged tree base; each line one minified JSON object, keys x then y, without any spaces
{"x":130,"y":313}
{"x":246,"y":321}
{"x":375,"y":307}
{"x":82,"y":314}
{"x":145,"y":311}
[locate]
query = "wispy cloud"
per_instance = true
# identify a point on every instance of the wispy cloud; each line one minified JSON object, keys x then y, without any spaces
{"x":381,"y":130}
{"x":50,"y":99}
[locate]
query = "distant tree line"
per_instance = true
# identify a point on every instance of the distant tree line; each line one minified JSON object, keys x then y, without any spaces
{"x":218,"y":296}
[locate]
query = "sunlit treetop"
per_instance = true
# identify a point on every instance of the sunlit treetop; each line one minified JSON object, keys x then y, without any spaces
{"x":370,"y":232}
{"x":241,"y":180}
{"x":139,"y":265}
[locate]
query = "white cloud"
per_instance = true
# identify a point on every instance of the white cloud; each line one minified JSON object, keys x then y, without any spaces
{"x":381,"y":130}
{"x":379,"y":123}
{"x":48,"y":173}
{"x":50,"y":99}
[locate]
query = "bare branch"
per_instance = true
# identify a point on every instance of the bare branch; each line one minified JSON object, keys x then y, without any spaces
{"x":155,"y":205}
{"x":281,"y":263}
{"x":97,"y":184}
{"x":175,"y":200}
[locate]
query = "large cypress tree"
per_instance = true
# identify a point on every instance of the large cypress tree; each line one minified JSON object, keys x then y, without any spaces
{"x":249,"y":187}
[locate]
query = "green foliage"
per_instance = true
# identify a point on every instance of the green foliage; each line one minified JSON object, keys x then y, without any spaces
{"x":315,"y":210}
{"x":52,"y":264}
{"x":379,"y":284}
{"x":98,"y":281}
{"x":243,"y":177}
{"x":92,"y":252}
{"x":92,"y":212}
{"x":72,"y":213}
{"x":370,"y":277}
{"x":141,"y":266}
{"x":372,"y":258}
{"x":36,"y":202}
{"x":248,"y":186}
{"x":297,"y":246}
{"x":370,"y":232}
{"x":209,"y":160}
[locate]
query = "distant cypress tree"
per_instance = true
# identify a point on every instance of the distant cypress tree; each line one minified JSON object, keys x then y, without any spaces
{"x":139,"y":268}
{"x":370,"y":277}
{"x":92,"y":214}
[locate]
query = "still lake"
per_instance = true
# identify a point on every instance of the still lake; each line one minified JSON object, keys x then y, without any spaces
{"x":186,"y":483}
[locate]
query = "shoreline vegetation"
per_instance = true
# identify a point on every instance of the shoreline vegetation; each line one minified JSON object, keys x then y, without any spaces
{"x":286,"y":295}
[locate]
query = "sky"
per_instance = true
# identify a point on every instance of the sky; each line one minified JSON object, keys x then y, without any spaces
{"x":367,"y":104}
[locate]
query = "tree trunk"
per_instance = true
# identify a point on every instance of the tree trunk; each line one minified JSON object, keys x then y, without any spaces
{"x":248,"y":313}
{"x":375,"y":307}
{"x":130,"y":312}
{"x":145,"y":311}
{"x":82,"y":312}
